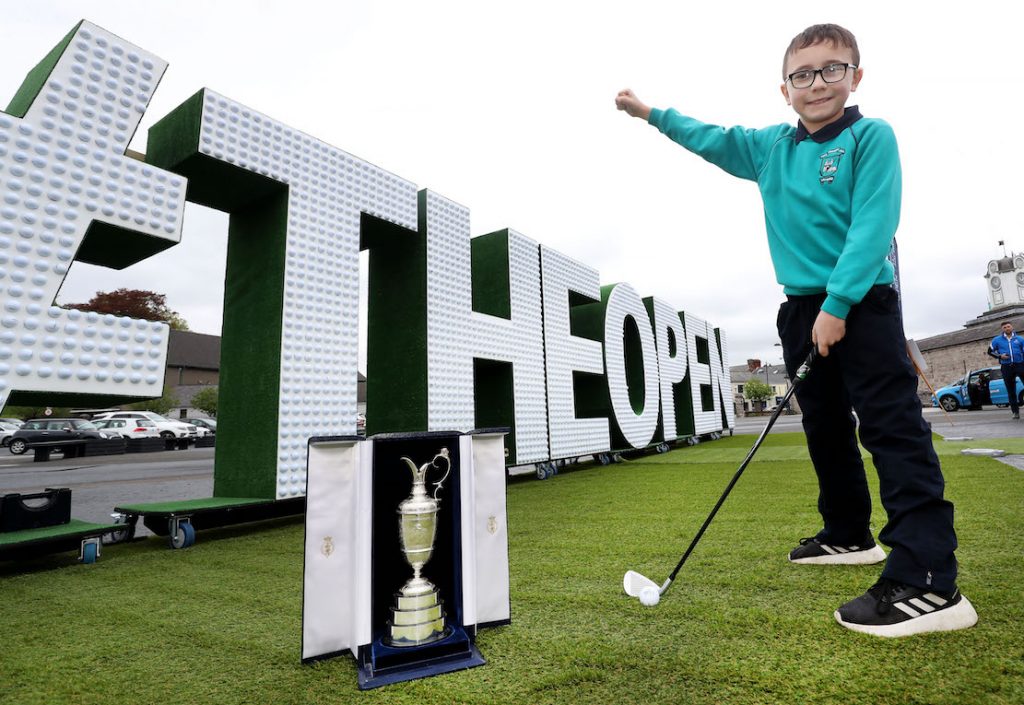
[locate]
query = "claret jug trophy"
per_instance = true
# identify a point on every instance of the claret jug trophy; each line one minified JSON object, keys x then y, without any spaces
{"x":418,"y":616}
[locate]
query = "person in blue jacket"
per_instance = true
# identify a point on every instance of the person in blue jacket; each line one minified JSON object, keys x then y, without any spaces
{"x":831,"y":192}
{"x":1008,"y":348}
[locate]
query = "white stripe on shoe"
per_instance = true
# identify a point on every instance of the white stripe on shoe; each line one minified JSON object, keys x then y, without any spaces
{"x":921,"y":605}
{"x":906,"y":609}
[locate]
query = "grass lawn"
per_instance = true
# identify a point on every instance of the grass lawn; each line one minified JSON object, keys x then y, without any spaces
{"x":220,"y":622}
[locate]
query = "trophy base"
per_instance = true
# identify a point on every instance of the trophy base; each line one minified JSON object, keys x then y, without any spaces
{"x":382,"y":664}
{"x":417,"y":620}
{"x":404,"y":637}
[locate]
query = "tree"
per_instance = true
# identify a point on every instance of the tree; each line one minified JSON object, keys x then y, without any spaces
{"x":134,"y":303}
{"x":34,"y":412}
{"x":757,"y":391}
{"x":206,"y":400}
{"x":160,"y":406}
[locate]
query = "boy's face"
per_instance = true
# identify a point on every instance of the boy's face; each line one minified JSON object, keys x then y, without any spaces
{"x":821,"y":103}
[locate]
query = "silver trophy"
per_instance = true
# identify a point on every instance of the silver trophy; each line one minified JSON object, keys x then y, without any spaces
{"x":418,"y":617}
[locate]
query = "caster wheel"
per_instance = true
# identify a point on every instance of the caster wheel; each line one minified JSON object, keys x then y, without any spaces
{"x":90,"y":552}
{"x":120,"y":535}
{"x":542,"y":472}
{"x":184,"y":537}
{"x":603,"y":458}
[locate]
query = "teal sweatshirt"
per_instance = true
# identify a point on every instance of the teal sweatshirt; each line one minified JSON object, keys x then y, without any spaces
{"x":831,"y":199}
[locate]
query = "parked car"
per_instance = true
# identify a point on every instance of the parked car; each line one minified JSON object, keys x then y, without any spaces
{"x":167,"y":428}
{"x":53,"y":432}
{"x":129,"y":428}
{"x":6,"y":431}
{"x":208,"y":424}
{"x":13,"y":422}
{"x":976,"y":389}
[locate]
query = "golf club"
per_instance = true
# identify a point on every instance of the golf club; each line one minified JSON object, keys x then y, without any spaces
{"x":648,"y":591}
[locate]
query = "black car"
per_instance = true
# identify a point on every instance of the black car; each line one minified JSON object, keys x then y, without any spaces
{"x":53,"y":433}
{"x":209,"y":424}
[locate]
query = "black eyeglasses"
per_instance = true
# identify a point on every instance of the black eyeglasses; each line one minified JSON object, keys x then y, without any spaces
{"x":833,"y":73}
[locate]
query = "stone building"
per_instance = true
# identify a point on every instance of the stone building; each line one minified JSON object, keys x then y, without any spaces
{"x":950,"y":355}
{"x":772,"y":375}
{"x":193,"y":362}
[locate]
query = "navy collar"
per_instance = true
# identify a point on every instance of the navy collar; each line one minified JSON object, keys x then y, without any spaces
{"x":831,"y":130}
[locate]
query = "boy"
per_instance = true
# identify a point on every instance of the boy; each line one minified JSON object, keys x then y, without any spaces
{"x":1008,"y":348}
{"x":831,"y":192}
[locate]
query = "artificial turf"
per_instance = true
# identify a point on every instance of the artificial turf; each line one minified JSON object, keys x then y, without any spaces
{"x":220,"y":621}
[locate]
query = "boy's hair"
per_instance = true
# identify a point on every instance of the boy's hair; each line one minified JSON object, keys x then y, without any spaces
{"x":815,"y":34}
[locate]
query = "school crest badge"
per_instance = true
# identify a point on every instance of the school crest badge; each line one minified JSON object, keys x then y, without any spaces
{"x":830,"y":165}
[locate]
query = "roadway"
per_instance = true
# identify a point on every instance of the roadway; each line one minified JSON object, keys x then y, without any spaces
{"x":100,"y":483}
{"x":988,"y":423}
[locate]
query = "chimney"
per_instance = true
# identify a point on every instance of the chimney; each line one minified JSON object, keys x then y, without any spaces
{"x":753,"y":365}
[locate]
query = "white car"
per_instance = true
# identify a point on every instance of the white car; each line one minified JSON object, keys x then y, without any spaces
{"x":6,"y":431}
{"x":166,"y":427}
{"x":129,"y":428}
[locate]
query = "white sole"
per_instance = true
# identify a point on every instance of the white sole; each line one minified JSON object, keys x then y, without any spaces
{"x":875,"y":554}
{"x":960,"y":616}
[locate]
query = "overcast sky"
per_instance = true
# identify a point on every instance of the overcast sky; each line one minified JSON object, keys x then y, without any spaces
{"x":509,"y":111}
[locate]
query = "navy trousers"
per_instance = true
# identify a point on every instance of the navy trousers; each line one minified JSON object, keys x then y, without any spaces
{"x":869,"y":372}
{"x":1011,"y":371}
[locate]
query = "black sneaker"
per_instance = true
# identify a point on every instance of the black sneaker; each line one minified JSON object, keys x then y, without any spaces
{"x":890,"y":609}
{"x":814,"y":552}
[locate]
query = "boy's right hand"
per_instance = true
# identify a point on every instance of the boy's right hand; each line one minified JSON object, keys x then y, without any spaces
{"x":627,"y":101}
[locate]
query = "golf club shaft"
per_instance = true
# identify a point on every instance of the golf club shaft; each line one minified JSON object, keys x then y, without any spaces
{"x":799,"y":377}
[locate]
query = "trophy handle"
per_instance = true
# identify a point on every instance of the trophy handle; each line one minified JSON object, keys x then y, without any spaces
{"x":447,"y":459}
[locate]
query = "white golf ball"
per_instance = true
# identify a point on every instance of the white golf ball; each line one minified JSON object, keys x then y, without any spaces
{"x":649,"y":596}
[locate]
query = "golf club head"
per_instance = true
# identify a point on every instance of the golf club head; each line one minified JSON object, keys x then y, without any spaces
{"x":633,"y":583}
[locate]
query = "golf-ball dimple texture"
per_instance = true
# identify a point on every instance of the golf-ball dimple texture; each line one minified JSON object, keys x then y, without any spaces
{"x":456,"y":334}
{"x":713,"y":374}
{"x":721,"y":378}
{"x":328,"y":189}
{"x":565,"y":353}
{"x":623,"y":304}
{"x":672,"y":364}
{"x":62,"y":166}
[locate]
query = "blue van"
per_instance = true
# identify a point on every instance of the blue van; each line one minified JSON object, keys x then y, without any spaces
{"x":977,"y":389}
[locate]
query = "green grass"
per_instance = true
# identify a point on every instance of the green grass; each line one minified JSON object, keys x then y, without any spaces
{"x":220,"y":622}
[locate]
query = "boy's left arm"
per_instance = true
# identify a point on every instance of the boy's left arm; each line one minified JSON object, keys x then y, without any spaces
{"x":874,"y":215}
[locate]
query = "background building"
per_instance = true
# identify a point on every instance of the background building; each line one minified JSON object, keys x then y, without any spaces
{"x":772,"y":375}
{"x":950,"y":355}
{"x":193,"y":362}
